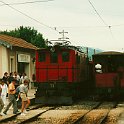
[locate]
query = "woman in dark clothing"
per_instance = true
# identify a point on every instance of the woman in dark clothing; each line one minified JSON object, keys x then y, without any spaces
{"x":10,"y":78}
{"x":5,"y":78}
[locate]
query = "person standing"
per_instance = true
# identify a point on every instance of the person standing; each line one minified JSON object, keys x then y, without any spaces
{"x":23,"y":77}
{"x":17,"y":77}
{"x":1,"y":102}
{"x":10,"y":78}
{"x":11,"y":97}
{"x":24,"y":98}
{"x":4,"y":91}
{"x":5,"y":78}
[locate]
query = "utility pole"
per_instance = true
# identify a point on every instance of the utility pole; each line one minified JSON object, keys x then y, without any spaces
{"x":63,"y":35}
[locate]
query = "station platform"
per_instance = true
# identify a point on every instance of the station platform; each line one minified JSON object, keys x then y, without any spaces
{"x":31,"y":96}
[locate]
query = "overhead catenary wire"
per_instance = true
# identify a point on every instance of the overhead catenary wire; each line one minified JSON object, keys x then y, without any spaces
{"x":98,"y":13}
{"x":71,"y":27}
{"x":53,"y":28}
{"x":109,"y":26}
{"x":117,"y":25}
{"x":28,"y":2}
{"x":38,"y":1}
{"x":111,"y":32}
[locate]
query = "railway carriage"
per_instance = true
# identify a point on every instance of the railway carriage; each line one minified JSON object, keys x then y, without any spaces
{"x":61,"y":74}
{"x":109,"y":73}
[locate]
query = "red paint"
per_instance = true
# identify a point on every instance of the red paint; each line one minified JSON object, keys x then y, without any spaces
{"x":106,"y":79}
{"x":61,"y":71}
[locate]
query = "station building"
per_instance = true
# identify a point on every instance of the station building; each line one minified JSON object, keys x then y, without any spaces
{"x":16,"y":55}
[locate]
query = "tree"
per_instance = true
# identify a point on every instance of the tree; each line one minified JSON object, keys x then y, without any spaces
{"x":28,"y":34}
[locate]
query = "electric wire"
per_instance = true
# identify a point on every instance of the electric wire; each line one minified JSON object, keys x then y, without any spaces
{"x":53,"y":28}
{"x":97,"y":13}
{"x":117,"y":25}
{"x":29,"y":2}
{"x":102,"y":19}
{"x":111,"y":33}
{"x":81,"y":26}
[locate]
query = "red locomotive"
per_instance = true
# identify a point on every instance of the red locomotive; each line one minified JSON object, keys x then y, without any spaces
{"x":109,"y":72}
{"x":61,"y":74}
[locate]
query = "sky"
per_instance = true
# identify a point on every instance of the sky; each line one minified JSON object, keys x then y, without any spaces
{"x":91,"y":23}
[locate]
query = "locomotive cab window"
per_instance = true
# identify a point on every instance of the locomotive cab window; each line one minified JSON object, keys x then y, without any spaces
{"x":54,"y":57}
{"x":41,"y":56}
{"x":65,"y":56}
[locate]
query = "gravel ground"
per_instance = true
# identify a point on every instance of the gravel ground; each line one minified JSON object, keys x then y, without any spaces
{"x":82,"y":105}
{"x":64,"y":114}
{"x":67,"y":114}
{"x":114,"y":115}
{"x":106,"y":105}
{"x":60,"y":116}
{"x":94,"y":116}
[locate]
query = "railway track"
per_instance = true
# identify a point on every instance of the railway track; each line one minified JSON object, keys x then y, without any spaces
{"x":66,"y":114}
{"x":104,"y":113}
{"x":83,"y":113}
{"x":97,"y":115}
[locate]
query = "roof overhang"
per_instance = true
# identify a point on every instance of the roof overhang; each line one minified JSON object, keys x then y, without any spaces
{"x":5,"y":44}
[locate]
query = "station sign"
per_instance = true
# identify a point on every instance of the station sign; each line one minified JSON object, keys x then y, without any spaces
{"x":24,"y":58}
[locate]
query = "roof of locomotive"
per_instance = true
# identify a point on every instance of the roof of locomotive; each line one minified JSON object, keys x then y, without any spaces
{"x":61,"y":47}
{"x":60,"y":44}
{"x":108,"y":53}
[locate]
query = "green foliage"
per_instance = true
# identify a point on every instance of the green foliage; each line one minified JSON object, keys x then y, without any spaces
{"x":28,"y":34}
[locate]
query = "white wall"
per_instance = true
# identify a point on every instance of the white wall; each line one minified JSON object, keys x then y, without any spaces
{"x":4,"y":59}
{"x":1,"y":61}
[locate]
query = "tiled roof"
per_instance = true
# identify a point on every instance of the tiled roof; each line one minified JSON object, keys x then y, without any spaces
{"x":18,"y":42}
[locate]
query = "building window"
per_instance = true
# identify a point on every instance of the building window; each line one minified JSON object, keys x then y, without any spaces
{"x":65,"y":56}
{"x":11,"y":65}
{"x":41,"y":56}
{"x":54,"y":57}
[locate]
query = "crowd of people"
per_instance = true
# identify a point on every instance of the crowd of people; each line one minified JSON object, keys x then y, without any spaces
{"x":16,"y":87}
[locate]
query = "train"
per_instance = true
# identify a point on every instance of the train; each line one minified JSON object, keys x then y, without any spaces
{"x":62,"y":74}
{"x":108,"y":71}
{"x":65,"y":73}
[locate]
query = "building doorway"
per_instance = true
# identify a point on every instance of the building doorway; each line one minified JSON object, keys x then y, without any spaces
{"x":12,"y":65}
{"x":23,"y":67}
